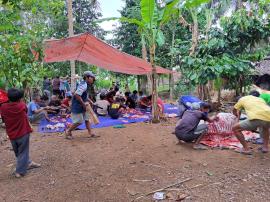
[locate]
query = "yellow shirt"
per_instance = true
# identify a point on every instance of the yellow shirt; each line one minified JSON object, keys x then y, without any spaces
{"x":255,"y":107}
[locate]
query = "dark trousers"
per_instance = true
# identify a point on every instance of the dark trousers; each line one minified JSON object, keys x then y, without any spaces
{"x":21,"y":150}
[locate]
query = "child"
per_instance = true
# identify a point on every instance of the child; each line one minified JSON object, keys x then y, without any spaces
{"x":130,"y":103}
{"x":102,"y":105}
{"x":35,"y":112}
{"x":18,"y":129}
{"x":66,"y":103}
{"x":110,"y":96}
{"x":134,"y":96}
{"x":115,"y":108}
{"x":145,"y":102}
{"x":188,"y":128}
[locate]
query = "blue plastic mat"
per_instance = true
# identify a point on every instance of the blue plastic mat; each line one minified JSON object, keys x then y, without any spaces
{"x":104,"y":121}
{"x":188,"y":99}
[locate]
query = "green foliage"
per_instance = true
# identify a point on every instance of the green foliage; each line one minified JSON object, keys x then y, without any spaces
{"x":227,"y":52}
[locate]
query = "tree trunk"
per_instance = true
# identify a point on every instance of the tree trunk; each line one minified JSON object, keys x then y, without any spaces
{"x":155,"y":113}
{"x":139,"y":82}
{"x":195,"y":32}
{"x":239,"y":4}
{"x":145,"y":79}
{"x":171,"y":83}
{"x":144,"y":84}
{"x":71,"y":33}
{"x":149,"y":83}
{"x":219,"y":96}
{"x":171,"y":79}
{"x":208,"y":23}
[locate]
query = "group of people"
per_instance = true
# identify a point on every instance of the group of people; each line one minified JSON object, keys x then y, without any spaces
{"x":17,"y":116}
{"x":257,"y":108}
{"x":58,"y":86}
{"x":114,"y":103}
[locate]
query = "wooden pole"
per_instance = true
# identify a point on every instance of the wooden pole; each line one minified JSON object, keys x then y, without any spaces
{"x":71,"y":33}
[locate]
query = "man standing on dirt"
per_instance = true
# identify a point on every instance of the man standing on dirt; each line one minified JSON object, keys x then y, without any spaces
{"x":258,"y":113}
{"x":78,"y":106}
{"x":56,"y":86}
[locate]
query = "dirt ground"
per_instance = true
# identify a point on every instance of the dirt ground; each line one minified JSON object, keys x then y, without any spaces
{"x":124,"y":163}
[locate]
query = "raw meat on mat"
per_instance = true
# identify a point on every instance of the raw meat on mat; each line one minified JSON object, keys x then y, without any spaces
{"x":220,"y":133}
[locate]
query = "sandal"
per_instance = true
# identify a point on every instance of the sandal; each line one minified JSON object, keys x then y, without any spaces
{"x":264,"y":151}
{"x":94,"y":136}
{"x":68,"y":135}
{"x":258,"y":141}
{"x":242,"y":151}
{"x":200,"y":147}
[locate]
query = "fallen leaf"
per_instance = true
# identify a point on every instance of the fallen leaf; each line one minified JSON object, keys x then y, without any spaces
{"x":181,"y":197}
{"x":170,"y":196}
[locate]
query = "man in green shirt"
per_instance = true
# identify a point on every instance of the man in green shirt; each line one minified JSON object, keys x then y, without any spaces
{"x":265,"y":97}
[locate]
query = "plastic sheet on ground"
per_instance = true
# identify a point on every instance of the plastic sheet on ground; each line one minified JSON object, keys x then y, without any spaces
{"x":220,"y":133}
{"x":58,"y":124}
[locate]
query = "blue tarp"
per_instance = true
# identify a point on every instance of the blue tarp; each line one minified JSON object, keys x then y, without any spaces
{"x":104,"y":121}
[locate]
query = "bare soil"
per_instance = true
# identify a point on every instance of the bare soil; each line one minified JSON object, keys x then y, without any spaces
{"x":124,"y":163}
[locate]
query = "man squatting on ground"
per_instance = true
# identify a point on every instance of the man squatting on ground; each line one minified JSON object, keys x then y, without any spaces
{"x":188,"y":128}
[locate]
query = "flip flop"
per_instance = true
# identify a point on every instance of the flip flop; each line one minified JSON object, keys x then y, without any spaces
{"x":258,"y":141}
{"x":264,"y":151}
{"x":241,"y":151}
{"x":94,"y":136}
{"x":68,"y":136}
{"x":200,"y":147}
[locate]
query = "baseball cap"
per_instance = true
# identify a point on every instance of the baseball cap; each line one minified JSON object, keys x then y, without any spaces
{"x":195,"y":105}
{"x":69,"y":94}
{"x":89,"y":74}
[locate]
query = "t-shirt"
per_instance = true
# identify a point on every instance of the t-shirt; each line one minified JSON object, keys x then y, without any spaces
{"x":130,"y":103}
{"x":266,"y":97}
{"x":54,"y":103}
{"x":160,"y":104}
{"x":32,"y":106}
{"x":255,"y":107}
{"x":114,"y":109}
{"x":134,"y":97}
{"x":62,"y":85}
{"x":189,"y":121}
{"x":65,"y":102}
{"x":56,"y":84}
{"x":67,"y":86}
{"x":14,"y":114}
{"x":102,"y":107}
{"x":76,"y":106}
{"x":46,"y":84}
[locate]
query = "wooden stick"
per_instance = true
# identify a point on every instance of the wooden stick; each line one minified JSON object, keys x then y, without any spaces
{"x":162,"y":189}
{"x":157,"y":166}
{"x":136,"y":180}
{"x":92,"y":114}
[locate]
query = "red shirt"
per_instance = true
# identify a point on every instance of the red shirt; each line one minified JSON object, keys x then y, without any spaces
{"x":14,"y":115}
{"x":160,"y":104}
{"x":65,"y":102}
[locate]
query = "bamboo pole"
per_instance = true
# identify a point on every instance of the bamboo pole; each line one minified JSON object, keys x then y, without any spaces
{"x":71,"y":33}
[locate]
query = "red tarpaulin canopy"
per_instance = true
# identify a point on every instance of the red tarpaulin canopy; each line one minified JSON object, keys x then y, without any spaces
{"x":89,"y":49}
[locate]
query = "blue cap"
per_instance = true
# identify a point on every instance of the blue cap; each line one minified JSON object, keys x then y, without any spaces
{"x":89,"y":74}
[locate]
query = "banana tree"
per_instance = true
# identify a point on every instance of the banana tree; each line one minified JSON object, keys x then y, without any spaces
{"x":154,"y":16}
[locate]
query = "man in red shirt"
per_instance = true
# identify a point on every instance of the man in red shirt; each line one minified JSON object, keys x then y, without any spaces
{"x":66,"y":102}
{"x":14,"y":115}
